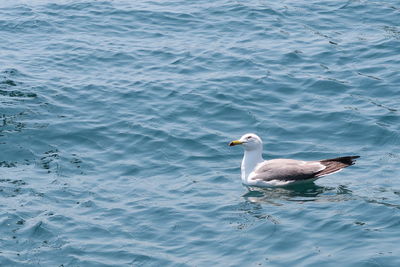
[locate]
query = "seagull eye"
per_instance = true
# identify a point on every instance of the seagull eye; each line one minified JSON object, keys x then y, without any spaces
{"x":248,"y":137}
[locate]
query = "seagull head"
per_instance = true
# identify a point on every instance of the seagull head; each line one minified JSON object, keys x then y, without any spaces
{"x":249,"y":142}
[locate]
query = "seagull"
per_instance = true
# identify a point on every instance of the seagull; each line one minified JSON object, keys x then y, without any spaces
{"x":279,"y":172}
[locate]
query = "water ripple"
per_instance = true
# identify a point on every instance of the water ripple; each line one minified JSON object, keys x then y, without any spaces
{"x":115,"y":119}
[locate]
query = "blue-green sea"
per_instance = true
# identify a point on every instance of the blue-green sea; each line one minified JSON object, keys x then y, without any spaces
{"x":116,"y":118}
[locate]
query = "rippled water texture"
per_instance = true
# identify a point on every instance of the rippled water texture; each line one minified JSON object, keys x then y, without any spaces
{"x":116,"y":115}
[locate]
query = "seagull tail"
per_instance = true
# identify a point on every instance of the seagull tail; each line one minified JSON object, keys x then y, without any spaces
{"x":336,"y":164}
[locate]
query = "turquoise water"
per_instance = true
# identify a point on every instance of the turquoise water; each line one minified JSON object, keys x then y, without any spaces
{"x":116,"y":118}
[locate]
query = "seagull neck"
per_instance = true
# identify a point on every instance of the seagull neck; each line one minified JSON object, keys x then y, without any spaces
{"x":250,"y":159}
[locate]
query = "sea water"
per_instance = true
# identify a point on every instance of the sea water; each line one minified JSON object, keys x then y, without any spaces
{"x":116,"y":115}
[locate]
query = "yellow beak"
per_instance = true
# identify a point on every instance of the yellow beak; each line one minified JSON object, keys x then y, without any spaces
{"x":236,"y":142}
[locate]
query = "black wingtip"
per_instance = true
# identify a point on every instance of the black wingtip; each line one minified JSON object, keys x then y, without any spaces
{"x":348,"y":160}
{"x":352,"y":158}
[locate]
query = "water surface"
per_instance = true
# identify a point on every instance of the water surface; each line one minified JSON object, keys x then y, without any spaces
{"x":115,"y":120}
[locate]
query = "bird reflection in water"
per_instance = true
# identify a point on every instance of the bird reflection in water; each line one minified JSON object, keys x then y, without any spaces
{"x":299,"y":193}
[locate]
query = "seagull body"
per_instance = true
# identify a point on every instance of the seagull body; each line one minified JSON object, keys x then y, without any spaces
{"x":278,"y":172}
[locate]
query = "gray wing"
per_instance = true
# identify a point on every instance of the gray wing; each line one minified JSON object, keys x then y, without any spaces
{"x":286,"y":170}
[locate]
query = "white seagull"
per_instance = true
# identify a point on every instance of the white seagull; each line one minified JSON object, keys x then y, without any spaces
{"x":278,"y":172}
